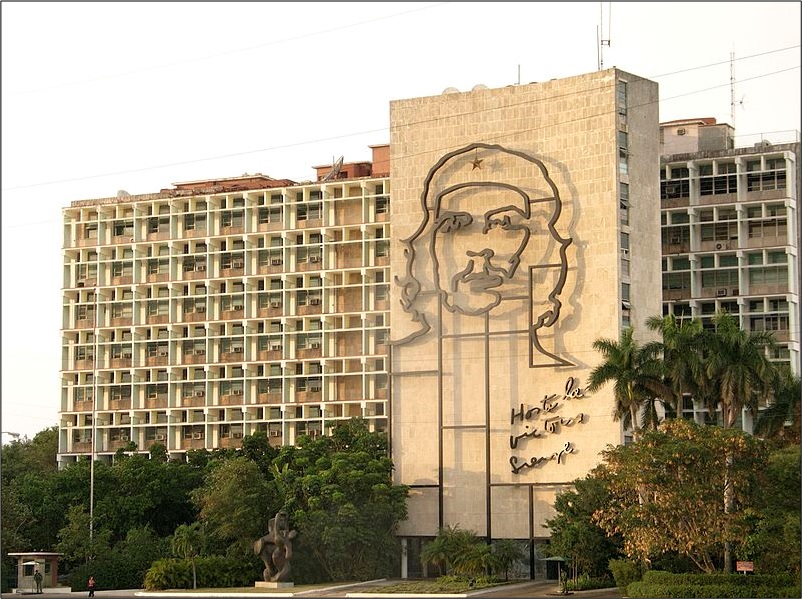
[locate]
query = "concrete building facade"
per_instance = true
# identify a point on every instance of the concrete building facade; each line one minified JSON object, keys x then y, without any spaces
{"x":512,"y":215}
{"x":730,"y":234}
{"x":219,"y":308}
{"x":449,"y":291}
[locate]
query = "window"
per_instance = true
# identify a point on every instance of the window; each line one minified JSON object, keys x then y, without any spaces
{"x":231,"y":218}
{"x":123,"y":228}
{"x":621,"y":97}
{"x":623,"y":203}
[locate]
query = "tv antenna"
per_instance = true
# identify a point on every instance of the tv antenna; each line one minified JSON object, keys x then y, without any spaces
{"x":733,"y":103}
{"x":600,"y":33}
{"x":336,"y":167}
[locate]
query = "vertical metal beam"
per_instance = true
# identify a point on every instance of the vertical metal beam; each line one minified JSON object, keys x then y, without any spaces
{"x":440,"y":492}
{"x":95,"y":358}
{"x":488,"y":510}
{"x":531,"y":532}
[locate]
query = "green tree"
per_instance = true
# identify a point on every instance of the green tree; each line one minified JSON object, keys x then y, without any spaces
{"x":575,"y":534}
{"x":257,"y":448}
{"x":187,"y":543}
{"x":738,"y":375}
{"x":508,"y":552}
{"x":680,"y":350}
{"x":636,"y":377}
{"x":737,"y":370}
{"x":235,"y":503}
{"x":74,"y":541}
{"x":781,"y":420}
{"x":339,"y":493}
{"x":475,"y":559}
{"x":665,"y":491}
{"x":774,"y":542}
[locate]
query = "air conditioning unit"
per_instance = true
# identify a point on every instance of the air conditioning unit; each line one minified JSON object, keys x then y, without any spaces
{"x":197,"y":435}
{"x":236,"y":307}
{"x":723,"y":245}
{"x":275,"y":347}
{"x":275,"y":433}
{"x":237,"y":435}
{"x":153,"y":395}
{"x":236,"y":392}
{"x":275,"y":304}
{"x":735,"y":291}
{"x":80,"y":283}
{"x":315,"y":301}
{"x":721,"y":292}
{"x":625,"y":253}
{"x":200,"y":308}
{"x":126,"y":355}
{"x":276,"y":261}
{"x":314,"y":258}
{"x":236,"y":350}
{"x":315,"y":345}
{"x":160,"y":437}
{"x":200,"y":267}
{"x":681,"y":131}
{"x":163,"y":353}
{"x":199,"y":393}
{"x":238,"y":264}
{"x":200,"y":352}
{"x":314,"y":389}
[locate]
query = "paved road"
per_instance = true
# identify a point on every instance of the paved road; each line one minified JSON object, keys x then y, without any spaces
{"x":530,"y":590}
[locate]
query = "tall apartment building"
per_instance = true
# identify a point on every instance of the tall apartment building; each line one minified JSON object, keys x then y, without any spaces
{"x":731,"y":233}
{"x":219,"y":308}
{"x":525,"y":227}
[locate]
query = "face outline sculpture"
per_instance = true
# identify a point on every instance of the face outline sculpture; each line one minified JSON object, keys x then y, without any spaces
{"x":480,"y":232}
{"x":482,"y":207}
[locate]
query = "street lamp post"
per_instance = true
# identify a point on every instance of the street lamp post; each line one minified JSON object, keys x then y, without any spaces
{"x":94,"y":426}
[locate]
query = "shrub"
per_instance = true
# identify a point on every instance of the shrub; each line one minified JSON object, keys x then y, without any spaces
{"x":665,"y":584}
{"x":625,"y":572}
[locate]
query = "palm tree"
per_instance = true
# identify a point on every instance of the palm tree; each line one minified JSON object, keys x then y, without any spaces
{"x":738,"y":372}
{"x":737,"y":375}
{"x":436,"y":552}
{"x":637,"y":378}
{"x":186,"y":542}
{"x":508,"y":552}
{"x":680,"y":350}
{"x":781,"y":420}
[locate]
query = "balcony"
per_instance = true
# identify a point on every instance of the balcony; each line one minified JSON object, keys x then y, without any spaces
{"x":234,"y":397}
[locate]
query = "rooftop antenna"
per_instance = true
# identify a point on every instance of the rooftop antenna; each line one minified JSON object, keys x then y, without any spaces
{"x":600,"y":32}
{"x":733,"y":103}
{"x":335,"y":169}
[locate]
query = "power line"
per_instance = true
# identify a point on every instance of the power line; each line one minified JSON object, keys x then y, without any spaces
{"x":716,"y":64}
{"x":226,"y":53}
{"x":364,"y":132}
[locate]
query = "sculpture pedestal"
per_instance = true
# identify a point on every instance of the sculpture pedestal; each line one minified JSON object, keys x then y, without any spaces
{"x":261,"y":584}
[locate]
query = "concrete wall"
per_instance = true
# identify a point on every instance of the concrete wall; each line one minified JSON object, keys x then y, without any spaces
{"x":489,"y":422}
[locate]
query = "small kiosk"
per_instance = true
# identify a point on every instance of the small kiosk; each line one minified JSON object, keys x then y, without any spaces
{"x":28,"y":562}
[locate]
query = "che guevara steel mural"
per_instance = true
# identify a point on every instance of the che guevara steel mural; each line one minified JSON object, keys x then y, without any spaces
{"x":488,"y":241}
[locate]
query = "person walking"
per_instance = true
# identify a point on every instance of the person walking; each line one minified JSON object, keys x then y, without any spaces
{"x":91,"y":586}
{"x":37,"y":578}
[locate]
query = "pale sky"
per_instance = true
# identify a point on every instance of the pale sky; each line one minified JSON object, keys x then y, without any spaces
{"x":99,"y":97}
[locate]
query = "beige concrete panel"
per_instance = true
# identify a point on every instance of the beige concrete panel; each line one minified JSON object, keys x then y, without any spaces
{"x":422,"y":507}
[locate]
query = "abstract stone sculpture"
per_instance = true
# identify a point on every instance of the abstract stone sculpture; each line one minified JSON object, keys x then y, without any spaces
{"x":275,"y":549}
